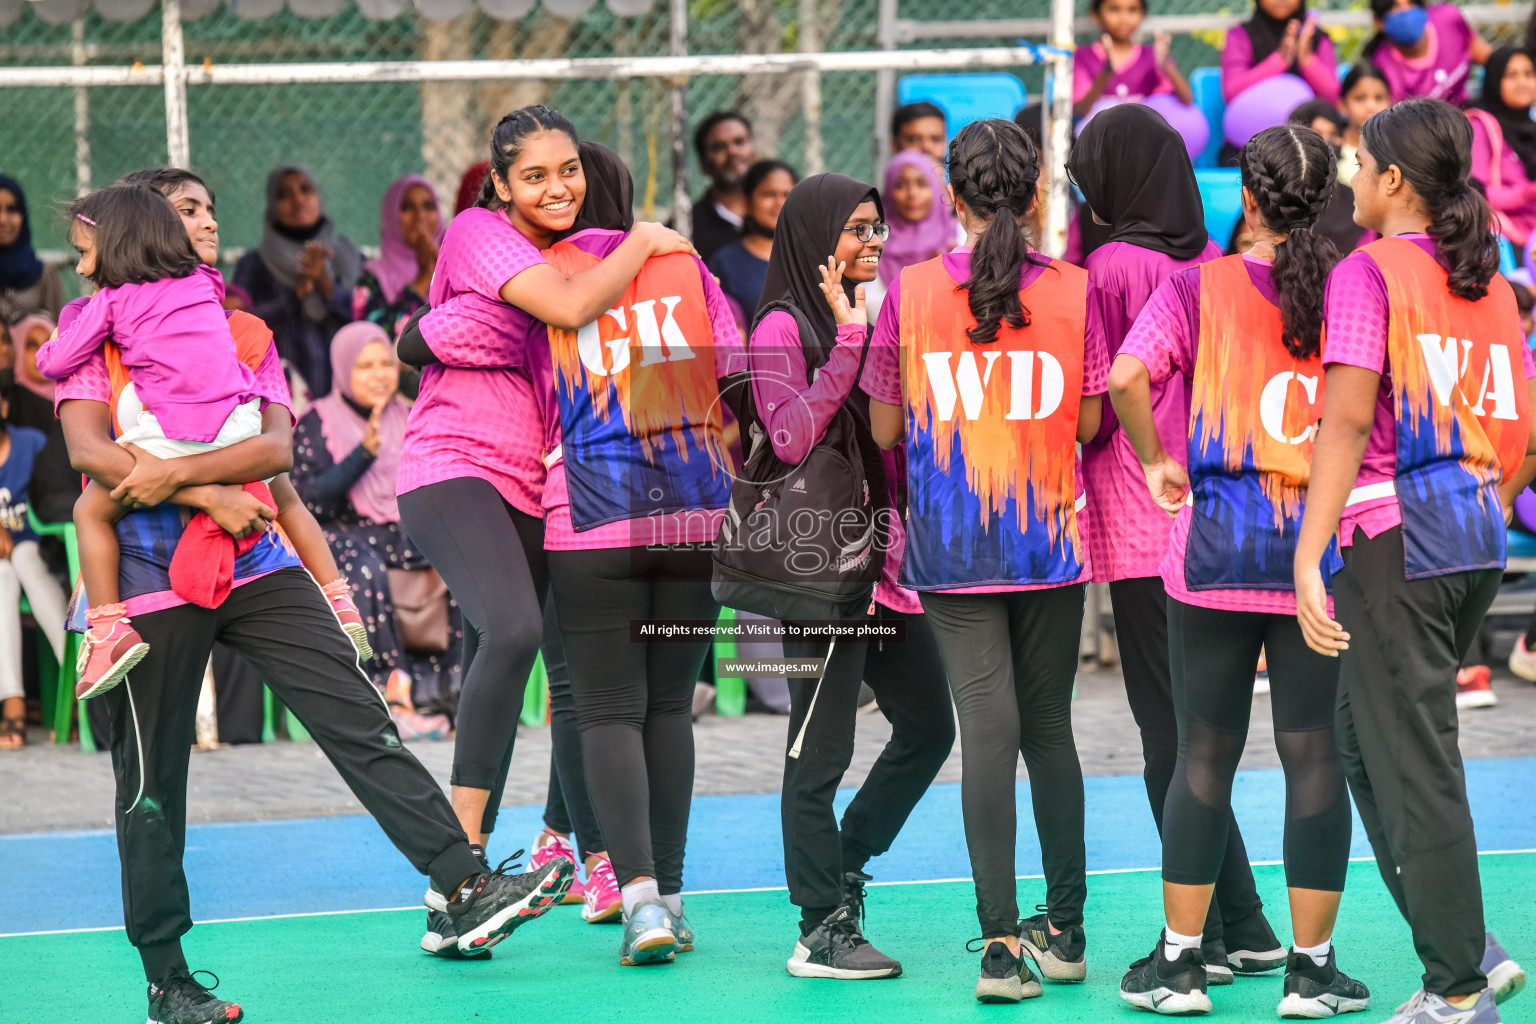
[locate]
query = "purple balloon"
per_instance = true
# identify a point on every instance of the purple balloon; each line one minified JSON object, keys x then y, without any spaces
{"x":1262,"y":106}
{"x":1189,"y":121}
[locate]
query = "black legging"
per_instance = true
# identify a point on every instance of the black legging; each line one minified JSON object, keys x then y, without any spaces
{"x":567,"y":807}
{"x":1213,"y":655}
{"x":492,"y":558}
{"x":635,"y":700}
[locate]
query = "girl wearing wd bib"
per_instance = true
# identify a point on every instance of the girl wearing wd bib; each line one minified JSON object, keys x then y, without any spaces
{"x":1424,"y":437}
{"x":996,"y":380}
{"x":1246,"y":331}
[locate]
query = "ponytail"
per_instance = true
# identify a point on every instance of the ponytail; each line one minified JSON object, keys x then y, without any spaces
{"x":1430,"y":142}
{"x":1289,"y":170}
{"x":507,"y":141}
{"x":995,"y":168}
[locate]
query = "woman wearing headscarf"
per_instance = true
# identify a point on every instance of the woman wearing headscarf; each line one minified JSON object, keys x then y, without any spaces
{"x":1136,"y":177}
{"x":922,"y":227}
{"x":301,"y":276}
{"x":346,"y":450}
{"x":55,"y":484}
{"x":411,"y":230}
{"x":1504,"y":141}
{"x":832,"y":221}
{"x":25,"y":283}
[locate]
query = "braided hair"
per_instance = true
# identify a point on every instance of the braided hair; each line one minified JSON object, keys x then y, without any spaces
{"x":995,"y":168}
{"x":507,"y":142}
{"x":1289,"y":170}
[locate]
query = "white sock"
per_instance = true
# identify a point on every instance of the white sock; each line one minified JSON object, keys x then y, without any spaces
{"x":1174,"y":943}
{"x":1318,"y":953}
{"x":674,"y":904}
{"x":636,"y":893}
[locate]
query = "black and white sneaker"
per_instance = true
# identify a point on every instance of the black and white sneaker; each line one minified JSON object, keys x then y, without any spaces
{"x":836,"y":948}
{"x":1313,"y":992}
{"x":1059,"y":956}
{"x":1167,"y":986}
{"x":1214,"y":950}
{"x":442,"y":939}
{"x":1251,"y":945}
{"x":497,"y":902}
{"x":181,"y":999}
{"x":1005,"y":978}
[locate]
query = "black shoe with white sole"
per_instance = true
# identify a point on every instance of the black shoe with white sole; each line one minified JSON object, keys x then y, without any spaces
{"x":1059,"y":955}
{"x":1161,"y":985}
{"x":1313,"y":992}
{"x":1214,"y":950}
{"x":1251,"y":945}
{"x":497,"y":903}
{"x":181,"y":999}
{"x":837,"y":948}
{"x":1005,"y":978}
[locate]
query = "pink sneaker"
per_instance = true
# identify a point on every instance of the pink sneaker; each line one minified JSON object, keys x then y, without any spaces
{"x":603,"y":901}
{"x":546,"y":847}
{"x":339,"y":593}
{"x":106,"y":657}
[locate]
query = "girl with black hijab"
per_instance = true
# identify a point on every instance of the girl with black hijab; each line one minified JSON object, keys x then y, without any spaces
{"x":828,"y":241}
{"x":1135,"y":176}
{"x":26,"y":282}
{"x":1504,"y":142}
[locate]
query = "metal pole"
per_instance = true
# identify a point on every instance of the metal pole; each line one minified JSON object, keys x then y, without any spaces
{"x":682,"y":206}
{"x":885,"y":86}
{"x":1059,"y":122}
{"x":173,"y":64}
{"x":82,"y":111}
{"x":810,"y":88}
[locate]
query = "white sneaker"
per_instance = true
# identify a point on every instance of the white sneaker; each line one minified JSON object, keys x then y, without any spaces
{"x":1522,"y":660}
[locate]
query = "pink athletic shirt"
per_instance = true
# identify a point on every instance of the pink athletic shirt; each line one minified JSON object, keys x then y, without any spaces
{"x":176,"y":347}
{"x":1442,"y":71}
{"x":1128,"y":533}
{"x":1138,"y":79}
{"x":1239,"y":72}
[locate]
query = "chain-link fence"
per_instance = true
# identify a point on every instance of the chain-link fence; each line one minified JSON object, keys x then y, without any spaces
{"x":359,"y":137}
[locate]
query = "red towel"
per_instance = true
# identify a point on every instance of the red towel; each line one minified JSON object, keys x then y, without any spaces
{"x":203,"y":567}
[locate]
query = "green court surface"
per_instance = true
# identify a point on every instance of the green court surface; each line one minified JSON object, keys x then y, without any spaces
{"x":366,"y":966}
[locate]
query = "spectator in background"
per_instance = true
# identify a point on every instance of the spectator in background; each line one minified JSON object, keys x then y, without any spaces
{"x":920,"y":125}
{"x":1364,"y":93}
{"x":723,"y":141}
{"x":301,"y":277}
{"x":469,"y":186}
{"x":922,"y":226}
{"x":410,"y":230}
{"x":1504,"y":142}
{"x":1322,"y":117}
{"x":25,"y":283}
{"x":346,"y":450}
{"x":742,"y":266}
{"x":237,"y":299}
{"x":1281,"y":38}
{"x":21,"y":569}
{"x":1337,"y":221}
{"x":1424,"y":51}
{"x":1119,"y":67}
{"x":55,"y":485}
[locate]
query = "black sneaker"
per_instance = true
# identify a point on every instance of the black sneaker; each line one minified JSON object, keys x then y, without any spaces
{"x":1214,"y":949}
{"x":1251,"y":945}
{"x":1060,"y":956}
{"x":1005,"y":978}
{"x":498,"y":903}
{"x":1167,"y":986}
{"x":442,"y":939}
{"x":836,"y":948}
{"x":181,"y":999}
{"x":1312,"y":991}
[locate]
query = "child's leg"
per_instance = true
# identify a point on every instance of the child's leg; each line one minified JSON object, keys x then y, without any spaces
{"x":95,"y":515}
{"x":303,"y":531}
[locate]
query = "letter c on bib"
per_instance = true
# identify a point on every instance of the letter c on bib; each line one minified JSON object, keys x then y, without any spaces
{"x":1272,"y":405}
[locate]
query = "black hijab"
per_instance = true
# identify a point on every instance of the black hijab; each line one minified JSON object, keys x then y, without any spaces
{"x":19,"y":266}
{"x":1515,"y":122}
{"x":610,"y":201}
{"x":809,"y":227}
{"x":1134,"y":172}
{"x":1266,"y":32}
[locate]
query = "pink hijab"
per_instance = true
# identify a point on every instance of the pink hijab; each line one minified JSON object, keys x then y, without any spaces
{"x":914,"y":241}
{"x":373,"y":496}
{"x":34,"y":381}
{"x":396,"y":266}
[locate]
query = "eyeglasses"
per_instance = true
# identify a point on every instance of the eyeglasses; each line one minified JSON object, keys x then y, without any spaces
{"x":864,"y":232}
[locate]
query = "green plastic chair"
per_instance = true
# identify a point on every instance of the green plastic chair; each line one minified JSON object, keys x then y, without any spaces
{"x":59,"y":699}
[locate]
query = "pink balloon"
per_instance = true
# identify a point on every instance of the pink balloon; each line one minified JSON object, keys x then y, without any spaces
{"x":1262,"y":106}
{"x":1188,"y":120}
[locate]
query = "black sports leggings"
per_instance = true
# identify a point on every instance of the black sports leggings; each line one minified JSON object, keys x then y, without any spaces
{"x":1213,"y":655}
{"x":635,"y":699}
{"x":567,"y":807}
{"x":492,"y":558}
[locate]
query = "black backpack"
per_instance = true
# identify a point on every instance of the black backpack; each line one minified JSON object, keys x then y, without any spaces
{"x":805,"y":542}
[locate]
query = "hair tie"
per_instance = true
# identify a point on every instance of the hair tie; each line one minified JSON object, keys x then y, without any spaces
{"x":81,"y":216}
{"x":1298,"y":225}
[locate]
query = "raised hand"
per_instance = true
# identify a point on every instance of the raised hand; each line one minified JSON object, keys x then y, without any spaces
{"x":1162,"y":46}
{"x":832,"y":289}
{"x":1289,"y":44}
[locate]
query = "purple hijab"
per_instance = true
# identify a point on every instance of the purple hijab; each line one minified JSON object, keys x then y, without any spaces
{"x":396,"y":266}
{"x":914,"y":241}
{"x":373,"y":496}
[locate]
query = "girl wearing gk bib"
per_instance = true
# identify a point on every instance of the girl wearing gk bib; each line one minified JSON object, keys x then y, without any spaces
{"x":995,"y":381}
{"x":1424,"y":440}
{"x":1245,"y":331}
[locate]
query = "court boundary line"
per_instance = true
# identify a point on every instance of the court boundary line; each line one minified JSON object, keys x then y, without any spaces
{"x":692,"y":892}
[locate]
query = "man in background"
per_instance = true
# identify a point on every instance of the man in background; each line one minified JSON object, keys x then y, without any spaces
{"x":724,"y":143}
{"x":921,"y":126}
